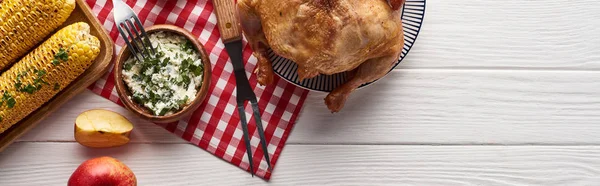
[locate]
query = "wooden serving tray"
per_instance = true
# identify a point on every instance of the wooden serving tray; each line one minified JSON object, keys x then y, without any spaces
{"x":82,"y":13}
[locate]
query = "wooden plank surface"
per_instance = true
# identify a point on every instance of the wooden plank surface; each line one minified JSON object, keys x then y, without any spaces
{"x":508,"y":34}
{"x":180,"y":164}
{"x":492,"y":93}
{"x":461,"y":107}
{"x":420,"y":107}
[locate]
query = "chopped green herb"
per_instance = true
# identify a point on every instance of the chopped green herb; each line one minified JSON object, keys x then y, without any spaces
{"x":62,"y":55}
{"x":37,"y":82}
{"x":8,"y":99}
{"x":18,"y":85}
{"x":187,"y":46}
{"x":163,"y":111}
{"x":144,"y":68}
{"x":127,"y":66}
{"x":186,"y":81}
{"x":30,"y":89}
{"x":40,"y":72}
{"x":19,"y":77}
{"x":5,"y":96}
{"x":138,"y":98}
{"x":11,"y":102}
{"x":183,"y":101}
{"x":56,"y":86}
{"x":166,"y":61}
{"x":153,"y":97}
{"x":153,"y":61}
{"x":197,"y":70}
{"x":147,"y":79}
{"x":185,"y":65}
{"x":0,"y":118}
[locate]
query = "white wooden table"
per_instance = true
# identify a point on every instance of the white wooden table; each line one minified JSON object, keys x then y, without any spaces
{"x":493,"y":93}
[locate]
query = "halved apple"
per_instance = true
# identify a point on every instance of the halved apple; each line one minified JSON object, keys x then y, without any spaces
{"x":102,"y":129}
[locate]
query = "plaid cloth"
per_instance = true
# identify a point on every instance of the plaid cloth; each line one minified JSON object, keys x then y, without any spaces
{"x":215,"y":126}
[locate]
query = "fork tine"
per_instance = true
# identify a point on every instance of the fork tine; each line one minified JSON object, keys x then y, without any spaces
{"x":135,"y":44}
{"x":144,"y":34}
{"x":127,"y":42}
{"x":138,"y":38}
{"x":246,"y":136}
{"x":261,"y":132}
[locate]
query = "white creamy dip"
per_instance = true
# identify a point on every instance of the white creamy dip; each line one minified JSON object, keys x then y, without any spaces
{"x":168,"y":81}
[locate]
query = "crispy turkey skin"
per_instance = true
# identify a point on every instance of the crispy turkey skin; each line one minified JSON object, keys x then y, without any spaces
{"x":363,"y":37}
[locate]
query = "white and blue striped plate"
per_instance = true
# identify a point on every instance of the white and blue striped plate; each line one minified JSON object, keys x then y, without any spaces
{"x":412,"y":19}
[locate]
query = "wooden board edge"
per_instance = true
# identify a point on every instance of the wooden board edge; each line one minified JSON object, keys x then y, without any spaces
{"x":76,"y":87}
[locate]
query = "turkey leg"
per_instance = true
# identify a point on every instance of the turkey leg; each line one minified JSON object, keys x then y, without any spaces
{"x":368,"y":71}
{"x":251,"y":25}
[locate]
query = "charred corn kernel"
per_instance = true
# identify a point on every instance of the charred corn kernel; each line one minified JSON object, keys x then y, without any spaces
{"x":25,"y":23}
{"x":45,"y":71}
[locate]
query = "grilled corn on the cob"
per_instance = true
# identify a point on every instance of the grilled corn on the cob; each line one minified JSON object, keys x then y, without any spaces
{"x":45,"y":71}
{"x":25,"y":23}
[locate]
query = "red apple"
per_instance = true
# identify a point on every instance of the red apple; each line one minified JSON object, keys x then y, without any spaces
{"x":102,"y":171}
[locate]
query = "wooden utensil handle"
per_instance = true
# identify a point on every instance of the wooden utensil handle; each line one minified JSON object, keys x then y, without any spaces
{"x":227,"y":20}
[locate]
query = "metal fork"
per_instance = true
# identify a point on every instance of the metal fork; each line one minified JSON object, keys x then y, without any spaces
{"x":140,"y":45}
{"x":231,"y":35}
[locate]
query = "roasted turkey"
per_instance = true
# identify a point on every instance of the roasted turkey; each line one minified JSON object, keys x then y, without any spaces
{"x":362,"y":37}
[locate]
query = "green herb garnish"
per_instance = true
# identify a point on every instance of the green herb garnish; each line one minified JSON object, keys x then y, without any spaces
{"x":30,"y":89}
{"x":56,"y":86}
{"x":185,"y":65}
{"x":183,"y":101}
{"x":165,"y":62}
{"x":40,"y":73}
{"x":138,"y":98}
{"x":186,"y":81}
{"x":37,"y":82}
{"x":127,"y":66}
{"x":18,"y":85}
{"x":163,"y":111}
{"x":197,"y":70}
{"x":136,"y":77}
{"x":187,"y":46}
{"x":62,"y":55}
{"x":10,"y":101}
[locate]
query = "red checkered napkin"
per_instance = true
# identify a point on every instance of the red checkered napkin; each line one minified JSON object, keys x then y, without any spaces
{"x":215,"y":126}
